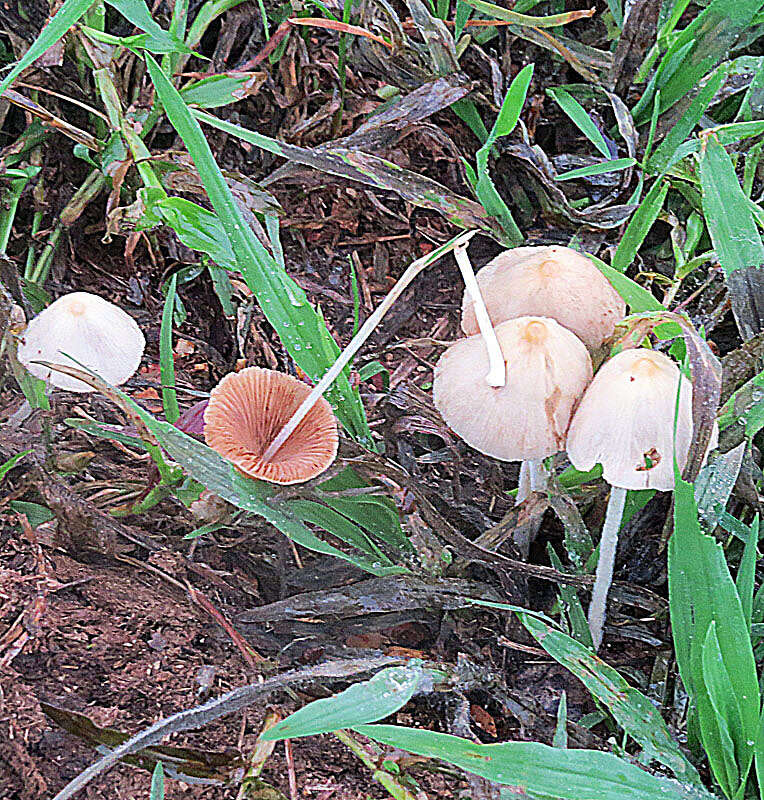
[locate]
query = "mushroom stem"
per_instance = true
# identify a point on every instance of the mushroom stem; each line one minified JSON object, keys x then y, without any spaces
{"x":533,"y":478}
{"x":355,"y":344}
{"x":604,"y":575}
{"x":497,"y":371}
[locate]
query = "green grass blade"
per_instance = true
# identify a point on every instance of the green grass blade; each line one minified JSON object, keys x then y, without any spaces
{"x":499,"y":12}
{"x":746,"y":573}
{"x":614,"y":165}
{"x":284,"y":303}
{"x":66,"y":16}
{"x":387,"y":692}
{"x":634,"y":712}
{"x":157,"y":783}
{"x":735,"y":237}
{"x":577,"y":114}
{"x":166,"y":360}
{"x":6,"y":467}
{"x":662,"y":157}
{"x":639,"y":225}
{"x":537,"y":768}
{"x":636,"y":297}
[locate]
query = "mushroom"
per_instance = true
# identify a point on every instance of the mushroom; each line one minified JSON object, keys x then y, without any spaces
{"x":625,"y":422}
{"x":547,"y":370}
{"x":554,"y":282}
{"x":96,"y":334}
{"x":248,"y":408}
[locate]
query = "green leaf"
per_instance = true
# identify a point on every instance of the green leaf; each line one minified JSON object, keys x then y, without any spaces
{"x":218,"y":90}
{"x":714,"y":485}
{"x":157,"y":783}
{"x":137,"y":12}
{"x":696,"y":50}
{"x":560,"y":738}
{"x":284,"y":303}
{"x":635,"y":296}
{"x":389,"y":690}
{"x":701,"y":592}
{"x":499,"y":12}
{"x":537,"y":768}
{"x":634,"y":712}
{"x":166,"y":360}
{"x":11,"y":463}
{"x":662,"y":157}
{"x":580,"y":118}
{"x":727,"y":716}
{"x":35,"y":513}
{"x":639,"y":225}
{"x":746,"y":574}
{"x":66,"y":16}
{"x":614,"y":165}
{"x":735,"y":237}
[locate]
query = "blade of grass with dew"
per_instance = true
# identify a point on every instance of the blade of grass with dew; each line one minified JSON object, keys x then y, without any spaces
{"x":66,"y":16}
{"x":137,"y":12}
{"x":615,"y":165}
{"x":701,"y":591}
{"x":663,"y":155}
{"x":284,"y":303}
{"x":696,"y":50}
{"x":639,"y":225}
{"x":634,"y":712}
{"x":166,"y":361}
{"x":384,"y":694}
{"x":373,"y":171}
{"x":735,"y":237}
{"x":157,"y":783}
{"x":538,"y":768}
{"x":577,"y":114}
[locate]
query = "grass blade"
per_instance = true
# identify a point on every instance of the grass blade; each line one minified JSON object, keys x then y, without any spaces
{"x":166,"y":361}
{"x":66,"y":16}
{"x":735,"y":237}
{"x":639,"y":225}
{"x":580,"y":119}
{"x":284,"y":303}
{"x":615,"y":165}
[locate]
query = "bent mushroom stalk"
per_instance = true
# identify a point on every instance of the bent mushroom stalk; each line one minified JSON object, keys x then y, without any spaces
{"x":355,"y":344}
{"x":85,"y":330}
{"x":547,"y":370}
{"x":625,"y":422}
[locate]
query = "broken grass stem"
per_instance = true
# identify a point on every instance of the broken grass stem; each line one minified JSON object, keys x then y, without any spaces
{"x":355,"y":344}
{"x":497,"y":369}
{"x":604,"y":575}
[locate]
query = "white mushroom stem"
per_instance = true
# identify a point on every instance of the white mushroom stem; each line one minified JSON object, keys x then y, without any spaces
{"x":604,"y":575}
{"x":497,"y":368}
{"x":533,"y":478}
{"x":355,"y":344}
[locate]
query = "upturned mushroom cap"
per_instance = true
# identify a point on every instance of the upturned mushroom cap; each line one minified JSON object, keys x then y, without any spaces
{"x":554,"y":282}
{"x":248,"y":408}
{"x":548,"y":369}
{"x":95,"y":332}
{"x":625,"y":421}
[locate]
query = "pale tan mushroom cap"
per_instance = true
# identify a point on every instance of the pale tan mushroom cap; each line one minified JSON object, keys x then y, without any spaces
{"x":246,"y":411}
{"x":625,"y":421}
{"x":98,"y":334}
{"x":548,"y":369}
{"x":554,"y":282}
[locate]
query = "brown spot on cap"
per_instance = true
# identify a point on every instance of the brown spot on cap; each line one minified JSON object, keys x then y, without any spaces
{"x":248,"y":408}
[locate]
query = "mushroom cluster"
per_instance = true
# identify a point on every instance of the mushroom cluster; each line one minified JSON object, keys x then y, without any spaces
{"x":553,"y":310}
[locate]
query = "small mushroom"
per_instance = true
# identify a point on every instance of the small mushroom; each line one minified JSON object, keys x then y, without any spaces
{"x":93,"y":331}
{"x":248,"y":408}
{"x":625,"y":422}
{"x":554,"y":282}
{"x":547,"y":369}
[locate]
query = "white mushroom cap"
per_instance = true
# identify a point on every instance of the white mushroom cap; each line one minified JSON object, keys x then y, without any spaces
{"x":548,"y":369}
{"x":100,"y":335}
{"x":554,"y":282}
{"x":625,"y":421}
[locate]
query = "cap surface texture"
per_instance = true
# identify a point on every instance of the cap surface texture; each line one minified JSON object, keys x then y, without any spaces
{"x":548,"y":369}
{"x":247,"y":409}
{"x":97,"y":333}
{"x":625,"y":421}
{"x":554,"y":282}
